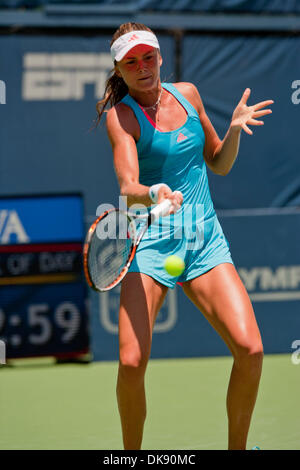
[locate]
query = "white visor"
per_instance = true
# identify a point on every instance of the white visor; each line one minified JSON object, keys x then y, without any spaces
{"x":129,"y":40}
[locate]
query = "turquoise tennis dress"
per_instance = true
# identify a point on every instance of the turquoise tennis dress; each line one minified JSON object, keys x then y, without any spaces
{"x":194,"y":232}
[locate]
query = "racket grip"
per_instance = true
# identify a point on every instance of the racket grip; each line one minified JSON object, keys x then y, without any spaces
{"x":161,"y":209}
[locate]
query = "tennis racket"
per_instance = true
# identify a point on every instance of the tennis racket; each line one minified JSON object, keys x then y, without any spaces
{"x":111,"y":244}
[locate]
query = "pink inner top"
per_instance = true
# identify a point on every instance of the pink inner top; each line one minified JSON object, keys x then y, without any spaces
{"x":149,"y":119}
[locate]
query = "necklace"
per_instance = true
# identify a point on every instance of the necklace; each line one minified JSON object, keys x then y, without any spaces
{"x":155,"y":104}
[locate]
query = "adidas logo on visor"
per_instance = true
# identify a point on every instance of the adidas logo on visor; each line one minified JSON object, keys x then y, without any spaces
{"x":133,"y":38}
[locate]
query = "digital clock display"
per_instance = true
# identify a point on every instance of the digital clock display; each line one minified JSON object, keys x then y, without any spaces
{"x":43,"y":297}
{"x":50,"y":320}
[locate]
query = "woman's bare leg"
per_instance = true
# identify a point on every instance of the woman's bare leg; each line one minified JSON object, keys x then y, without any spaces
{"x":223,"y":299}
{"x":140,"y":301}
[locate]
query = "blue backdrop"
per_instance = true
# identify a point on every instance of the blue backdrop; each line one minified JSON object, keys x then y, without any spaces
{"x":46,"y":137}
{"x":270,"y":269}
{"x":267,"y":170}
{"x":46,"y":145}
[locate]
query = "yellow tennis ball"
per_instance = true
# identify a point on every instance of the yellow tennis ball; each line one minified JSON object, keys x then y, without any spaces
{"x":174,"y":265}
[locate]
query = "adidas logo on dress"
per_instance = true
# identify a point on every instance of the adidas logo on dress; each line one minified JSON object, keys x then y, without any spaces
{"x":181,"y":137}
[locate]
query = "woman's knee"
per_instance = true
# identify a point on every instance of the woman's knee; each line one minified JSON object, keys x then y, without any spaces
{"x":132,"y":365}
{"x":249,"y":353}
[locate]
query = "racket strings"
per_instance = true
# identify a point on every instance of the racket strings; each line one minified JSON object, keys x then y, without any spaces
{"x":110,"y":248}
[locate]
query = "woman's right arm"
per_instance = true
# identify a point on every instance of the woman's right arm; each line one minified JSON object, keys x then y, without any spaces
{"x":123,"y":129}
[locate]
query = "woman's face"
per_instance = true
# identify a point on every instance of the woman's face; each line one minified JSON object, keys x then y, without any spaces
{"x":140,"y":68}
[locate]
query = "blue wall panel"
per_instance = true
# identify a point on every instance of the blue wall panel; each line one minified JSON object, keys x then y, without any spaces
{"x":46,"y":141}
{"x":268,"y":265}
{"x":267,"y":170}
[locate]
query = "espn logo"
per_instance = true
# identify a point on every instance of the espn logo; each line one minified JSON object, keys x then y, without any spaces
{"x":2,"y":92}
{"x":63,"y":76}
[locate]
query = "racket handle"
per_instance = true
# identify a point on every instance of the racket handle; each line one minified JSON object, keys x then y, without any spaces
{"x":161,"y":209}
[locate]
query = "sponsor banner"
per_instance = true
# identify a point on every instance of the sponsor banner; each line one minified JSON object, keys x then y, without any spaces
{"x":266,"y":250}
{"x":38,"y":219}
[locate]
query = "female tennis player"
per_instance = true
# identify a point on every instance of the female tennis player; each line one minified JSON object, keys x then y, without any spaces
{"x":162,"y":141}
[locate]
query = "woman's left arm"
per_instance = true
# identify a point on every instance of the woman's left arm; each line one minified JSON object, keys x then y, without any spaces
{"x":219,"y":154}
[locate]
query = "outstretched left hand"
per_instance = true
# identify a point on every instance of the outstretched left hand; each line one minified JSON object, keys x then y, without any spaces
{"x":244,"y":115}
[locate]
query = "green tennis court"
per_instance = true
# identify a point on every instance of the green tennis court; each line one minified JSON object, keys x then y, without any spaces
{"x":73,"y":406}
